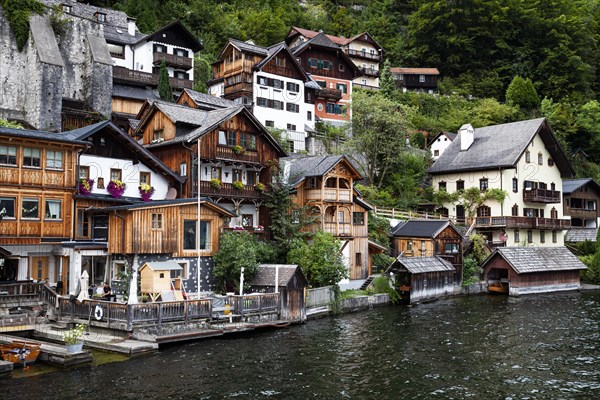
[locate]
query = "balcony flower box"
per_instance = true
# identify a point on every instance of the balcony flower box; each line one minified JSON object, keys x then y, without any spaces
{"x":215,"y":183}
{"x":146,"y":192}
{"x":238,"y":185}
{"x":260,"y":187}
{"x":237,"y":149}
{"x":85,"y":186}
{"x":116,"y":188}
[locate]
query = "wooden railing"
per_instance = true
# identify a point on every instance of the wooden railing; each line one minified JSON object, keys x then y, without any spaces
{"x":541,"y":196}
{"x":404,"y":214}
{"x":338,"y":228}
{"x":228,"y":190}
{"x":229,"y":69}
{"x":330,"y":194}
{"x":363,"y":54}
{"x":365,"y":87}
{"x":20,"y":293}
{"x":145,"y":78}
{"x":227,"y":153}
{"x":329,"y":93}
{"x":523,"y":222}
{"x":255,"y":303}
{"x":319,"y":297}
{"x":238,"y":87}
{"x":173,"y":60}
{"x":369,"y":71}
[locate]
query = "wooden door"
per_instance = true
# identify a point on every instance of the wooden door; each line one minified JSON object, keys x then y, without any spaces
{"x":38,"y":268}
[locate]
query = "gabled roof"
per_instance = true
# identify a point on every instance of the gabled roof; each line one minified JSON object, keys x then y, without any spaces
{"x":193,"y":123}
{"x":247,"y":46}
{"x":162,"y":266}
{"x":276,"y":49}
{"x":421,"y":228}
{"x":450,"y":135}
{"x":359,"y":37}
{"x":307,"y":33}
{"x":537,"y":259}
{"x":500,"y":146}
{"x":181,"y":33}
{"x":207,"y":101}
{"x":123,"y":138}
{"x":414,"y":71}
{"x":204,"y":202}
{"x":297,"y":169}
{"x":321,"y":40}
{"x":265,"y":275}
{"x":421,"y":265}
{"x":576,"y":235}
{"x":41,"y":135}
{"x":134,"y":92}
{"x":572,"y":185}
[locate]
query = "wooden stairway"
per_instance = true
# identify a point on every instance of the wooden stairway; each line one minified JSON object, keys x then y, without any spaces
{"x":367,"y":282}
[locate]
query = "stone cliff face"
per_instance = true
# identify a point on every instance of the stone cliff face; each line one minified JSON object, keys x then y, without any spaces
{"x":76,"y":66}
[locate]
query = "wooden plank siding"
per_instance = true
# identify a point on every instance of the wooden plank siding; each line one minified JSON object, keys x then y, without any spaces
{"x":127,"y":106}
{"x":131,"y":232}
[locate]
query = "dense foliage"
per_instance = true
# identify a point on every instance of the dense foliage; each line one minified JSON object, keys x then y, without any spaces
{"x":17,"y":13}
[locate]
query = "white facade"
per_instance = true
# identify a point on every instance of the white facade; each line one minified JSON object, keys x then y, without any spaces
{"x":100,"y":167}
{"x":504,"y":179}
{"x":366,"y":57}
{"x":287,"y":119}
{"x":439,"y":145}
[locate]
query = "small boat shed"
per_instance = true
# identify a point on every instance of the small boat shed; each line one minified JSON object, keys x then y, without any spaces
{"x":291,"y":285}
{"x":423,"y":278}
{"x":523,"y":270}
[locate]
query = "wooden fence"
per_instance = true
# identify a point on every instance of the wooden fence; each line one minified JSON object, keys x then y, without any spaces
{"x":393,"y":213}
{"x":20,"y":293}
{"x":319,"y":297}
{"x":255,"y":303}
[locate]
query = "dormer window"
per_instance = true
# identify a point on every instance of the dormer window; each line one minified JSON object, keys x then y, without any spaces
{"x":67,"y":8}
{"x":100,"y":17}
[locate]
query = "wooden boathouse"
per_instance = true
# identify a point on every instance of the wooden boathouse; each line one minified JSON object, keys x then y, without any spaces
{"x":423,"y":278}
{"x":524,"y":270}
{"x":291,"y":286}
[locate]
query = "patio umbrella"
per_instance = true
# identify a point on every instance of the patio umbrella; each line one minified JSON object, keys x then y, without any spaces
{"x":133,"y":299}
{"x":84,"y":279}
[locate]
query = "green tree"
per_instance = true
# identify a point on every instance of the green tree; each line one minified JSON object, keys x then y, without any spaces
{"x":379,"y":131}
{"x":17,"y":13}
{"x":8,"y":124}
{"x":237,"y":250}
{"x":387,"y":85}
{"x":521,"y":93}
{"x":164,"y":87}
{"x":320,"y":259}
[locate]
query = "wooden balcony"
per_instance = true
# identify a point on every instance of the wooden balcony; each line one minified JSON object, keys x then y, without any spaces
{"x":338,"y":228}
{"x":171,"y":60}
{"x":364,"y":87}
{"x":329,"y":194}
{"x":522,"y":223}
{"x":228,"y":190}
{"x":238,"y":87}
{"x":582,"y":213}
{"x":541,"y":196}
{"x":233,"y":68}
{"x":122,"y":74}
{"x":329,"y":94}
{"x":370,"y":71}
{"x":365,"y":55}
{"x":227,"y":153}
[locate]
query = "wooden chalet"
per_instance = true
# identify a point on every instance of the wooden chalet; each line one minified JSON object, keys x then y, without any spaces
{"x":237,"y":156}
{"x":430,"y":237}
{"x":38,"y":178}
{"x":333,"y":71}
{"x":326,"y":183}
{"x":580,"y":202}
{"x":167,"y":231}
{"x":291,"y":284}
{"x":419,"y":79}
{"x":423,"y":278}
{"x":203,"y":101}
{"x":524,"y":270}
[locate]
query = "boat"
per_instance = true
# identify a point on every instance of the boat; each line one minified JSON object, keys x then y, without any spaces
{"x":498,"y":287}
{"x":20,"y":352}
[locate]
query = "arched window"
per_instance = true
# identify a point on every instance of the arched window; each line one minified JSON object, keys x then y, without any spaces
{"x":553,"y":213}
{"x":515,"y":210}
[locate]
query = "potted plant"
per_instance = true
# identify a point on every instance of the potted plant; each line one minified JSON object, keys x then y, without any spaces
{"x":259,"y":187}
{"x":237,"y":149}
{"x":239,"y":185}
{"x":216,"y":183}
{"x":116,"y":188}
{"x":146,"y":191}
{"x":74,"y":338}
{"x":85,"y":186}
{"x":144,"y":298}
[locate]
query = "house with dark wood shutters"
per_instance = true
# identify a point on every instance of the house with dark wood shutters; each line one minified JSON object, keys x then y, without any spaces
{"x":580,"y":202}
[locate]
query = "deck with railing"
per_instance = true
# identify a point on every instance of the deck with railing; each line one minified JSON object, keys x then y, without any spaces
{"x":523,"y":222}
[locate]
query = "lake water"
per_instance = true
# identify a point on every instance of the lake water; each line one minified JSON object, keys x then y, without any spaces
{"x":479,"y":347}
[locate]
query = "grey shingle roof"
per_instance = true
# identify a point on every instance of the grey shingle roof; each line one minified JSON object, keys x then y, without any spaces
{"x":245,"y":46}
{"x":276,"y":49}
{"x":41,"y":135}
{"x":302,"y":167}
{"x":134,"y":92}
{"x":192,"y":116}
{"x":208,"y":101}
{"x":423,"y":228}
{"x":571,"y":185}
{"x":164,"y":266}
{"x":421,"y":265}
{"x":538,"y":259}
{"x":499,"y":146}
{"x":576,"y":235}
{"x":265,"y":275}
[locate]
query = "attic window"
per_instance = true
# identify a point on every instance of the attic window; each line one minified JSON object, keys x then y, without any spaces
{"x":100,"y":17}
{"x":540,"y":159}
{"x":527,"y":156}
{"x":550,"y":162}
{"x":67,"y":8}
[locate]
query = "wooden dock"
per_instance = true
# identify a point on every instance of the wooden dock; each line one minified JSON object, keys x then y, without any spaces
{"x":55,"y":353}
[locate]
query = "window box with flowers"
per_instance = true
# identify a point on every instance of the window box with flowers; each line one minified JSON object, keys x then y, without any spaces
{"x":260,"y":187}
{"x":85,"y":186}
{"x":237,"y":149}
{"x":116,"y":188}
{"x":259,"y":228}
{"x":238,"y":185}
{"x":215,"y":183}
{"x":146,"y":191}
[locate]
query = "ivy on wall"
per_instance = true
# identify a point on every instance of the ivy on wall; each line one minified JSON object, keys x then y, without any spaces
{"x":17,"y":13}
